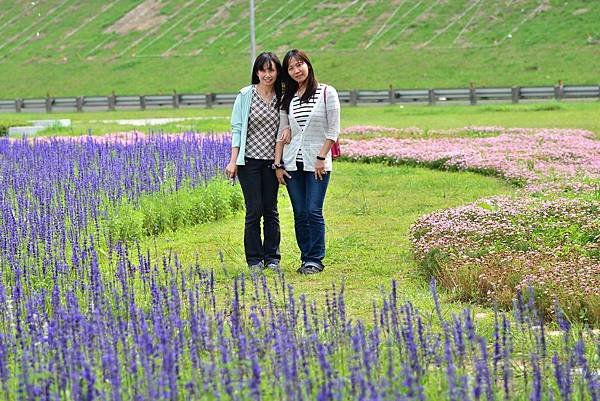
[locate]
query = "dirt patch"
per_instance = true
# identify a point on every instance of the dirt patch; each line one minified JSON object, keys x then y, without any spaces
{"x":580,"y":11}
{"x":110,"y":45}
{"x":220,"y":17}
{"x":143,"y":17}
{"x":424,"y":17}
{"x":379,"y":21}
{"x":330,"y":6}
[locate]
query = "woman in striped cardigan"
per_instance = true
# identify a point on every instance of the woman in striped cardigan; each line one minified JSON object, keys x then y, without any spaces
{"x":312,"y":112}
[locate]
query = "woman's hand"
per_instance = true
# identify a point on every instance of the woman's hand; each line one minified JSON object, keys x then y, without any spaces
{"x":320,"y":169}
{"x":286,"y":135}
{"x":281,"y":175}
{"x":231,"y":170}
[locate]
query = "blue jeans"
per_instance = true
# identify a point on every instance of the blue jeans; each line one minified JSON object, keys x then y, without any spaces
{"x":308,"y":195}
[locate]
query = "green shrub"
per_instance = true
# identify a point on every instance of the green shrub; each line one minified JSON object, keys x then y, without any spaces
{"x":5,"y":125}
{"x":161,"y":212}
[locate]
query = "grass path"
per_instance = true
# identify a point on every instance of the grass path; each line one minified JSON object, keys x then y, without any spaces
{"x":369,"y":210}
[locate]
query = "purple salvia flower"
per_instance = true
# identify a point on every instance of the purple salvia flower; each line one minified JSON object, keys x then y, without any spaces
{"x":497,"y":344}
{"x":436,"y":301}
{"x":563,"y":378}
{"x":483,"y":370}
{"x":459,"y":338}
{"x":592,"y":380}
{"x":450,"y":369}
{"x":4,"y":372}
{"x":506,"y":357}
{"x":536,"y":384}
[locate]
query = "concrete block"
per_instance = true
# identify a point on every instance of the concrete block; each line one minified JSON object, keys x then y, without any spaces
{"x":24,"y":131}
{"x":51,"y":123}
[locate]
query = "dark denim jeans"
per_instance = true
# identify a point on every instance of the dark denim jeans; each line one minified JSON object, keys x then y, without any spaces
{"x":308,"y":195}
{"x":260,"y":186}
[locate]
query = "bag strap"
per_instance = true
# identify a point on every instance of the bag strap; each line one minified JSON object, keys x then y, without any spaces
{"x":325,"y":101}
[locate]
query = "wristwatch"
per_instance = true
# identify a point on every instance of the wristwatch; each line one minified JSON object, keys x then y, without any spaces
{"x":275,"y":166}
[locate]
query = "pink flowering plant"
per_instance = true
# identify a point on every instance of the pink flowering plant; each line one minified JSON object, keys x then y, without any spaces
{"x":547,"y":238}
{"x":373,"y":131}
{"x":486,"y":250}
{"x":526,"y":157}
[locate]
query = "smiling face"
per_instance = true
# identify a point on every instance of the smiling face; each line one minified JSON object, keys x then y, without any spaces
{"x":267,"y":75}
{"x":298,"y":70}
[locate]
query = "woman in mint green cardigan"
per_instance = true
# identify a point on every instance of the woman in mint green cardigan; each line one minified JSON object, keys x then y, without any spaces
{"x":254,"y":126}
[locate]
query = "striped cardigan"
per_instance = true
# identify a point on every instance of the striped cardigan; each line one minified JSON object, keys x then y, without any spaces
{"x":323,"y":123}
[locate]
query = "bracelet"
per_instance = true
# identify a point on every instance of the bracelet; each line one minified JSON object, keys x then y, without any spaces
{"x":320,"y":158}
{"x":276,"y":166}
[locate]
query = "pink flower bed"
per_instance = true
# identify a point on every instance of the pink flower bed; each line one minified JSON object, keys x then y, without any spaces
{"x":368,"y":129}
{"x":487,"y":250}
{"x":529,"y":156}
{"x":500,"y":244}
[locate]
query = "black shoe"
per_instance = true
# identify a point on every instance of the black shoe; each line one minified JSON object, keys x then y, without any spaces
{"x":258,"y":266}
{"x":310,"y":268}
{"x":273,"y":265}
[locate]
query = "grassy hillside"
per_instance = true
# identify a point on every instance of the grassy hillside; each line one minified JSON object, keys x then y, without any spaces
{"x":69,"y":47}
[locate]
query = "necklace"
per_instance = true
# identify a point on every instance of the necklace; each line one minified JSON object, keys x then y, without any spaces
{"x":266,"y":98}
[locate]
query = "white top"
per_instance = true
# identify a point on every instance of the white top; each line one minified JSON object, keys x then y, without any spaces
{"x":322,"y":123}
{"x":302,"y":111}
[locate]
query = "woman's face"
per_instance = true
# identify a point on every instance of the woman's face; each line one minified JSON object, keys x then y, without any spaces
{"x":298,"y":70}
{"x":268,"y":74}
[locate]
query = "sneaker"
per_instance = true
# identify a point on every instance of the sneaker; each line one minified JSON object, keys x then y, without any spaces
{"x":310,"y":268}
{"x":258,"y":266}
{"x":273,"y":265}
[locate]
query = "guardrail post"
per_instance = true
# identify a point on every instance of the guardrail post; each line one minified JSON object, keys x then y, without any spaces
{"x":18,"y":105}
{"x":392,"y":95}
{"x":431,"y":97}
{"x":175,"y":99}
{"x":209,"y":100}
{"x":143,"y":102}
{"x":558,"y":90}
{"x":472,"y":94}
{"x":79,"y":103}
{"x":515,"y":94}
{"x":112,"y":101}
{"x":49,"y":102}
{"x":353,"y":97}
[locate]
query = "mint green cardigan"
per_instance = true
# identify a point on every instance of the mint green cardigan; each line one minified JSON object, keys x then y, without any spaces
{"x":239,"y":122}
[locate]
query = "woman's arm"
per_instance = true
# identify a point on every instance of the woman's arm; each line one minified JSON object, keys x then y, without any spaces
{"x":284,"y":136}
{"x":231,"y":169}
{"x":332,"y":111}
{"x":285,"y":133}
{"x":236,"y":122}
{"x":280,"y":171}
{"x":236,"y":137}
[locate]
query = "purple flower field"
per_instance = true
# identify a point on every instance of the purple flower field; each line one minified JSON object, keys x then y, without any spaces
{"x":84,"y":317}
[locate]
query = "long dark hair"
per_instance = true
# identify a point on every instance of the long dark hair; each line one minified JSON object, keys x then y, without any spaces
{"x":291,"y":86}
{"x":268,"y":58}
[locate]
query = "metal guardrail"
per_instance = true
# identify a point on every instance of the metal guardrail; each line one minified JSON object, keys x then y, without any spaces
{"x":354,"y":97}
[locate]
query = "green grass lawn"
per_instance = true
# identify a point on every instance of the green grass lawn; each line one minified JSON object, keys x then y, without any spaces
{"x":584,"y":115}
{"x":368,"y":212}
{"x":73,"y":48}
